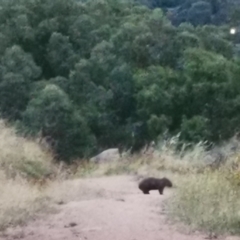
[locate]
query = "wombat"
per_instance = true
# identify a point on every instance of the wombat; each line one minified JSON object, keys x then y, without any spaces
{"x":151,"y":183}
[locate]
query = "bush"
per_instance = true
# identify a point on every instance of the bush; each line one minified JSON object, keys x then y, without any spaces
{"x":52,"y":113}
{"x":208,"y":202}
{"x":194,"y":129}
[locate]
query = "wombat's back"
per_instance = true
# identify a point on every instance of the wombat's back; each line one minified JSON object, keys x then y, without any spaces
{"x":148,"y":183}
{"x":154,"y":183}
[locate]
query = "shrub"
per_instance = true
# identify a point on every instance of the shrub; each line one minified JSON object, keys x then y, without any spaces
{"x":52,"y":112}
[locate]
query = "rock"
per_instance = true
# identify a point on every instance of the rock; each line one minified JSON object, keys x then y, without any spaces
{"x":72,"y":224}
{"x":109,"y":155}
{"x":60,"y":202}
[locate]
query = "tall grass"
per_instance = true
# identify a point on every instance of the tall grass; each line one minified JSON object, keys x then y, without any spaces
{"x":19,"y":201}
{"x":164,"y":158}
{"x":207,"y":183}
{"x":20,"y":156}
{"x":208,"y":202}
{"x":210,"y":199}
{"x":23,"y":166}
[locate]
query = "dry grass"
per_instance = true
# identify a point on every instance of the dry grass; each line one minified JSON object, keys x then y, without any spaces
{"x":19,"y":201}
{"x":207,"y":195}
{"x":206,"y":198}
{"x":207,"y":202}
{"x":165,"y":159}
{"x":19,"y":156}
{"x":210,"y":199}
{"x":24,"y":168}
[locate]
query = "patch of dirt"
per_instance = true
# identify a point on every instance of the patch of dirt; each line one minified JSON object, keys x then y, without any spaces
{"x":118,"y":210}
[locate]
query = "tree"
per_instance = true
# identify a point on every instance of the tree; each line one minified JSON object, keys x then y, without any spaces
{"x":15,"y":60}
{"x":212,"y":83}
{"x":14,"y":95}
{"x":199,"y":13}
{"x":52,"y":113}
{"x":194,"y":129}
{"x":99,"y":74}
{"x":18,"y":70}
{"x":60,"y":53}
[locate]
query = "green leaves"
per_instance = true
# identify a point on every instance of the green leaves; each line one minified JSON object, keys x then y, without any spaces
{"x":194,"y":129}
{"x":15,"y":60}
{"x":18,"y":69}
{"x":47,"y":108}
{"x":14,"y":95}
{"x":60,"y":54}
{"x":52,"y":112}
{"x":154,"y":91}
{"x":204,"y":66}
{"x":157,"y":125}
{"x":99,"y":74}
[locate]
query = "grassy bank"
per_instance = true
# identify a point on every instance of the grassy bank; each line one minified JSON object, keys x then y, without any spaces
{"x":25,"y":182}
{"x":207,"y":184}
{"x":208,"y":202}
{"x":210,"y":199}
{"x":19,"y":201}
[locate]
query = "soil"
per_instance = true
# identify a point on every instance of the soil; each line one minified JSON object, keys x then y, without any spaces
{"x":112,"y":208}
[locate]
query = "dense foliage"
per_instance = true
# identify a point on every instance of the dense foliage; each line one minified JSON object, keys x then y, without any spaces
{"x":104,"y":73}
{"x":197,"y":12}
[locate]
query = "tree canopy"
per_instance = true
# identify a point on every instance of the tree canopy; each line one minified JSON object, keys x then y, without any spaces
{"x":101,"y":73}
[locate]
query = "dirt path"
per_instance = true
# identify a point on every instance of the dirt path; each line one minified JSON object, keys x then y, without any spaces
{"x":115,"y":210}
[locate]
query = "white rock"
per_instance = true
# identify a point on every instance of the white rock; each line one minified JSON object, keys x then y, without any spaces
{"x":109,"y":155}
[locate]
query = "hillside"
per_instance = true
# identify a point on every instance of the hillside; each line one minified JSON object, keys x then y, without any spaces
{"x":196,"y":12}
{"x":92,"y":75}
{"x":41,"y":199}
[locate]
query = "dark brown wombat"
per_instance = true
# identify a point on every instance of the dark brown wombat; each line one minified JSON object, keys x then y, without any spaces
{"x":151,"y":183}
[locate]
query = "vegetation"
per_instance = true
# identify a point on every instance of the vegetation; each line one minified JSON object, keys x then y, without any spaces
{"x":205,"y":196}
{"x":22,"y":162}
{"x":91,"y":75}
{"x":96,"y":74}
{"x":197,"y":12}
{"x":208,"y":202}
{"x":31,"y":183}
{"x":25,"y":190}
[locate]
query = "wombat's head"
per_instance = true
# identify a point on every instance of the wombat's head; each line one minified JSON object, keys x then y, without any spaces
{"x":167,"y":182}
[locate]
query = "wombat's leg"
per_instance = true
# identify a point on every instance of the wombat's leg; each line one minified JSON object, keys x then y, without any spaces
{"x":161,"y":190}
{"x":146,"y":192}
